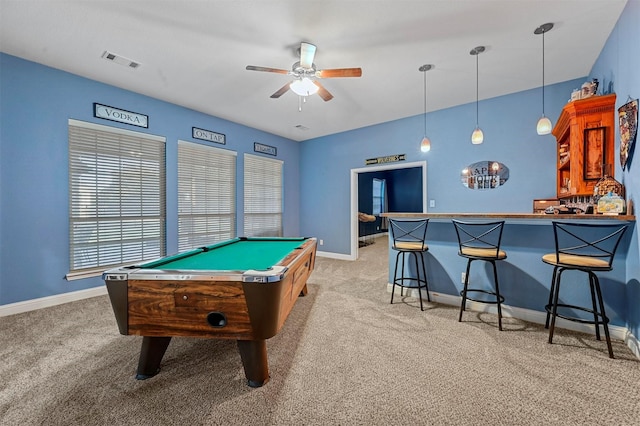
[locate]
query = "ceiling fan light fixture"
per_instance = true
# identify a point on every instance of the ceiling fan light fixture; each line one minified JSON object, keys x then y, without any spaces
{"x":304,"y":87}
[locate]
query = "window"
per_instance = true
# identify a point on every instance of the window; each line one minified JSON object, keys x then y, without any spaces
{"x":379,"y":190}
{"x":262,"y":196}
{"x":116,"y":197}
{"x":206,"y":195}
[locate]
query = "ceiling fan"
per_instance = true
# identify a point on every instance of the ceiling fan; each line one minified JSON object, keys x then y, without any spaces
{"x":305,"y":75}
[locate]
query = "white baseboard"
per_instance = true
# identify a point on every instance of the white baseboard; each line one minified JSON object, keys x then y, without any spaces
{"x":537,"y":317}
{"x":333,"y":255}
{"x":633,"y":343}
{"x":45,"y":302}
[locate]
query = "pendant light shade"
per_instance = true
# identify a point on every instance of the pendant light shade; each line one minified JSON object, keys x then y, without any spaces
{"x":425,"y":145}
{"x":544,"y":124}
{"x":477,"y":137}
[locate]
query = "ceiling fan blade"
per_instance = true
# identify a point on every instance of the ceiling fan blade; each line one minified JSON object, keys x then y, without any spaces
{"x":339,"y":72}
{"x":281,"y":91}
{"x":322,"y":92}
{"x":266,"y":69}
{"x":307,"y":53}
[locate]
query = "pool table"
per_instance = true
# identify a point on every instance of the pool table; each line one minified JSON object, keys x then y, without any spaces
{"x":240,"y":289}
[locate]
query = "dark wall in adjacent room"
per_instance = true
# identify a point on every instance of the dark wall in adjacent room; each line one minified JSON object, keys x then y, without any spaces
{"x":404,"y":192}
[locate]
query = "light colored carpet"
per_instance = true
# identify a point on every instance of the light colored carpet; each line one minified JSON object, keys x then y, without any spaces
{"x":344,"y":357}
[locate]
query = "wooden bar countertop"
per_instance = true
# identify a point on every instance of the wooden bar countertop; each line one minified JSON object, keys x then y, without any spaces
{"x":515,"y":216}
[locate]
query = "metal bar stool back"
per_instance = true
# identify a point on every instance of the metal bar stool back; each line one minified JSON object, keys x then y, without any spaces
{"x":481,"y":241}
{"x":588,"y":248}
{"x":409,"y":238}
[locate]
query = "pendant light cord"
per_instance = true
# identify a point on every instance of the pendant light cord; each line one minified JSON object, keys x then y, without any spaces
{"x":543,"y":73}
{"x":425,"y":102}
{"x":477,"y":91}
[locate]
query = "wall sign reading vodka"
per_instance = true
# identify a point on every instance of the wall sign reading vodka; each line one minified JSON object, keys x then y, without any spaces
{"x":120,"y":115}
{"x":208,"y":135}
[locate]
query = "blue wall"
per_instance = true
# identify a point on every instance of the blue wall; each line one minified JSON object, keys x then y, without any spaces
{"x":619,"y":65}
{"x":36,"y":104}
{"x":509,"y":125}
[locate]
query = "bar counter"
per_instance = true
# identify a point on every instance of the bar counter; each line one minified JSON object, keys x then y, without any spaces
{"x":511,"y":216}
{"x":524,"y":278}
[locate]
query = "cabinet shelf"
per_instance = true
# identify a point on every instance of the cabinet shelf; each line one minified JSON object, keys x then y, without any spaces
{"x":564,"y":165}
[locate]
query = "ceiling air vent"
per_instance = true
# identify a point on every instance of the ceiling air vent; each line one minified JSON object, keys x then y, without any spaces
{"x":120,"y":60}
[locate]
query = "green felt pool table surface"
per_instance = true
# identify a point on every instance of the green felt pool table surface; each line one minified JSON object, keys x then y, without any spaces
{"x":239,"y":254}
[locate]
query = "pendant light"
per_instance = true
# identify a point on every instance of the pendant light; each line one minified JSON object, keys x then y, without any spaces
{"x":544,"y":124}
{"x":477,"y":136}
{"x":425,"y":145}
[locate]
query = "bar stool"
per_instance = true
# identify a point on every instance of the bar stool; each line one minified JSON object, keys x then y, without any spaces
{"x":481,"y":241}
{"x":409,"y":237}
{"x":588,"y":248}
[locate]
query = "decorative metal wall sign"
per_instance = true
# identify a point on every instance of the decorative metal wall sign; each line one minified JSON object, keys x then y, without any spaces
{"x":208,"y":135}
{"x":387,"y":159}
{"x":484,"y":175}
{"x":120,"y":115}
{"x":265,"y":149}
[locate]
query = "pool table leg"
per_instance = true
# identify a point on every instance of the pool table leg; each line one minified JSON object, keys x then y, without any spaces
{"x":254,"y":360}
{"x":153,"y":349}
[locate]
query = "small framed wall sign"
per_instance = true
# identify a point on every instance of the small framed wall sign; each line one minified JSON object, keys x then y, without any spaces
{"x":208,"y":135}
{"x":383,"y":160}
{"x":265,"y":149}
{"x":120,"y":115}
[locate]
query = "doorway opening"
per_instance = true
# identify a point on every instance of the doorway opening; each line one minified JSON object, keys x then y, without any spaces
{"x":355,"y":173}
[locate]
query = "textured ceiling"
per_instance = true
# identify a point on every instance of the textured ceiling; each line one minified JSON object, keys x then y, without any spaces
{"x":194,"y":53}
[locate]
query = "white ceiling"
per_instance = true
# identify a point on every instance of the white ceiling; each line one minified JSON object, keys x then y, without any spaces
{"x":194,"y":53}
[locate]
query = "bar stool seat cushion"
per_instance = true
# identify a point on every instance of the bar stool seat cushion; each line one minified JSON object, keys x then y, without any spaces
{"x":410,"y":245}
{"x":577,"y":261}
{"x":483,"y":252}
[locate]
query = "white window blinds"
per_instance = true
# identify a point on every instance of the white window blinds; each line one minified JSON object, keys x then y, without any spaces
{"x":262,"y":196}
{"x":116,"y":197}
{"x":206,"y":195}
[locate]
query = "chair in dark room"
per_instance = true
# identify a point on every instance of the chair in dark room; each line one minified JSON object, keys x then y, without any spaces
{"x":481,"y":241}
{"x":409,"y":238}
{"x":587,"y":248}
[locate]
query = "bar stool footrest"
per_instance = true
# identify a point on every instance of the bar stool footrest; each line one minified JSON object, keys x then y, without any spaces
{"x":500,"y":298}
{"x":399,"y":282}
{"x":605,"y":320}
